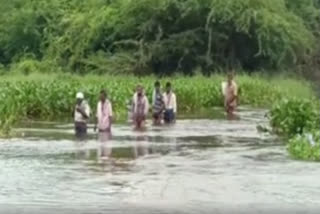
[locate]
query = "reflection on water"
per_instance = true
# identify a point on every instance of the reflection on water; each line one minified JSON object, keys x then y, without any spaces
{"x":105,"y":148}
{"x":194,"y":166}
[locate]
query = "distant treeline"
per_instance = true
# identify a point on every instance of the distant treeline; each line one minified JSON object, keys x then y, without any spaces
{"x":157,"y":36}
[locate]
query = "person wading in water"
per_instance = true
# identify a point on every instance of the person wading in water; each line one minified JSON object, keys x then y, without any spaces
{"x":170,"y":103}
{"x":140,"y":108}
{"x":104,"y":114}
{"x":158,"y":104}
{"x":81,"y":116}
{"x":230,"y":92}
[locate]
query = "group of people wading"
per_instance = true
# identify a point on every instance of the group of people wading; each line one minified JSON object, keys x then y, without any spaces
{"x":164,"y":107}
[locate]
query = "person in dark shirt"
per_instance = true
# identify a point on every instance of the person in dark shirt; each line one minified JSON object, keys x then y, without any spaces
{"x":157,"y":104}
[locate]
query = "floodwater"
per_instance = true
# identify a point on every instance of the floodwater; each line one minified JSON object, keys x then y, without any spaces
{"x":196,"y":166}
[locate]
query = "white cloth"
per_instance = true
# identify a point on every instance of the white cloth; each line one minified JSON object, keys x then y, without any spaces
{"x":224,"y":87}
{"x":78,"y":116}
{"x":229,"y":92}
{"x":170,"y":101}
{"x":104,"y":112}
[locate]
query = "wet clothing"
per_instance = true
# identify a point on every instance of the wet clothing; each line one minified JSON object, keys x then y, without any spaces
{"x":140,"y":109}
{"x":158,"y":105}
{"x":170,"y":103}
{"x":230,"y":92}
{"x":80,"y":122}
{"x":104,"y":114}
{"x":169,"y":116}
{"x":80,"y":129}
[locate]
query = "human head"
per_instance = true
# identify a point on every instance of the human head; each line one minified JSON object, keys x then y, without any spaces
{"x":157,"y":85}
{"x":168,"y":87}
{"x":79,"y":97}
{"x":139,"y":90}
{"x":230,"y":77}
{"x":103,"y":95}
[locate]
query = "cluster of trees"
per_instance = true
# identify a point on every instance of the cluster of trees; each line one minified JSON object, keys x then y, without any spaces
{"x":157,"y":36}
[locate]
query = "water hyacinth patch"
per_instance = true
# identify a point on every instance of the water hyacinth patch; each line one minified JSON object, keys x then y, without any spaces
{"x":294,"y":116}
{"x":305,"y":146}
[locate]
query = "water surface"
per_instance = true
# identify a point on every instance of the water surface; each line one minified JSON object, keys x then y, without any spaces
{"x":196,"y":166}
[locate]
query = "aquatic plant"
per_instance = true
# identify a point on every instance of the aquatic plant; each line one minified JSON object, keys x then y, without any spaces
{"x":305,"y":146}
{"x":294,"y":116}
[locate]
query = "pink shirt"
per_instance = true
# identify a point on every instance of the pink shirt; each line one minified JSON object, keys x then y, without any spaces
{"x":104,"y":112}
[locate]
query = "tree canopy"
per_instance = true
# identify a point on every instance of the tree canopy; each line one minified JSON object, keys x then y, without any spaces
{"x":157,"y":36}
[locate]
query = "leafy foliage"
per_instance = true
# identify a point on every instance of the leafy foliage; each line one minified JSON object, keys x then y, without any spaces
{"x":158,"y":36}
{"x":294,"y":116}
{"x":305,"y":146}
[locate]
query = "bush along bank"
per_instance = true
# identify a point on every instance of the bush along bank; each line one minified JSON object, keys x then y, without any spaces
{"x":53,"y":96}
{"x":298,"y":120}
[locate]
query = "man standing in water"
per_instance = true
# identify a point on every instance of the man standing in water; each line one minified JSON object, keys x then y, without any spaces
{"x":230,"y":92}
{"x":104,"y":114}
{"x":81,"y":115}
{"x":140,"y":108}
{"x":170,"y":104}
{"x":158,"y":104}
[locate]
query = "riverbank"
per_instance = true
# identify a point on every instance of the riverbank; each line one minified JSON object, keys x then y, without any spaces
{"x":52,"y":96}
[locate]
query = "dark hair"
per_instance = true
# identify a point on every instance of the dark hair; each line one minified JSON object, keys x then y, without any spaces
{"x":168,"y":84}
{"x":103,"y":91}
{"x":157,"y":84}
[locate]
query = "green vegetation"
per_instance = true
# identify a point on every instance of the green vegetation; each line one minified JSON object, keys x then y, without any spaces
{"x":305,"y":146}
{"x":40,"y":96}
{"x":157,"y":36}
{"x":294,"y":116}
{"x":299,"y":121}
{"x":161,"y":38}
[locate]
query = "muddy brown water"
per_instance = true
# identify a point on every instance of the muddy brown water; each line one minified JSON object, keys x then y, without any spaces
{"x":195,"y":166}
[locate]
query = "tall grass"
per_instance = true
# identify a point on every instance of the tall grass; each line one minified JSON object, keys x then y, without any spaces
{"x":40,"y":96}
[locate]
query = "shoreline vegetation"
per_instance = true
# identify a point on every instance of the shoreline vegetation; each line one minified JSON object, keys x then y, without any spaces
{"x":291,"y":100}
{"x":46,"y":45}
{"x":49,"y":96}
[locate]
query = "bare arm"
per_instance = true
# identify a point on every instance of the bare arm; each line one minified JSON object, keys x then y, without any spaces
{"x":82,"y":112}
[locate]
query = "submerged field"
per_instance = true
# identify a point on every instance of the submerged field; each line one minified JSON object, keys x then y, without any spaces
{"x":40,"y":96}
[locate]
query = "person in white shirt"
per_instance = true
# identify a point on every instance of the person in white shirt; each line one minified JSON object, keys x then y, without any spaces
{"x":140,"y":108}
{"x":81,"y":115}
{"x":104,"y":114}
{"x":170,"y":103}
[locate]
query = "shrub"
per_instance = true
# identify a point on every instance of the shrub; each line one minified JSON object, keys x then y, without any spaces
{"x":160,"y":36}
{"x":305,"y":146}
{"x":294,"y":116}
